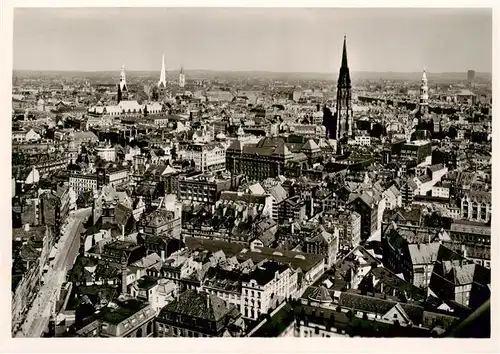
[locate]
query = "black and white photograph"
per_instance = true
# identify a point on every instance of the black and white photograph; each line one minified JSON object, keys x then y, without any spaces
{"x":238,"y":172}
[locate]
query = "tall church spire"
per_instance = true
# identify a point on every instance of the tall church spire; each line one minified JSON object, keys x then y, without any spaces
{"x":344,"y":55}
{"x":163,"y":74}
{"x":344,"y":74}
{"x":343,"y":112}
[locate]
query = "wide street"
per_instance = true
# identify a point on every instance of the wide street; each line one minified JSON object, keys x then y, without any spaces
{"x":39,"y":314}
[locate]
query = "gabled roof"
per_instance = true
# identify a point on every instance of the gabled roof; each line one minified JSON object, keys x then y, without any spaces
{"x":310,"y":146}
{"x":423,"y":253}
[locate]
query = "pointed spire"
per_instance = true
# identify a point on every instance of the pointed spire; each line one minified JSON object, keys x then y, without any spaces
{"x":163,"y":74}
{"x":344,"y":55}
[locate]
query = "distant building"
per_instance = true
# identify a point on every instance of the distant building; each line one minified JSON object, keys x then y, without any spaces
{"x":470,"y":76}
{"x":324,"y":243}
{"x":162,"y":223}
{"x":418,"y":150}
{"x":265,"y":159}
{"x":205,"y":188}
{"x":348,"y":224}
{"x":107,"y":153}
{"x":182,"y":78}
{"x":209,"y":157}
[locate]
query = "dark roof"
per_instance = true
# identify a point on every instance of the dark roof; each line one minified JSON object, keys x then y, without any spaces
{"x":264,"y":273}
{"x":125,"y":310}
{"x":380,"y":306}
{"x":147,"y":282}
{"x":304,"y":261}
{"x":199,"y":305}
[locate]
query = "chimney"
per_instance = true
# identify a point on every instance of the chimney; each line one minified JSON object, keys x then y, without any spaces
{"x":208,"y":300}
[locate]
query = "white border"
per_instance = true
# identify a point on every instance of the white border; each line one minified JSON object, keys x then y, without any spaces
{"x":286,"y":345}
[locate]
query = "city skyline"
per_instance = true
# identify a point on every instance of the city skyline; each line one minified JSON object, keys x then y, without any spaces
{"x":282,"y":45}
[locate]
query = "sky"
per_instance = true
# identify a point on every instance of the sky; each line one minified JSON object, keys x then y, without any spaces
{"x":269,"y":39}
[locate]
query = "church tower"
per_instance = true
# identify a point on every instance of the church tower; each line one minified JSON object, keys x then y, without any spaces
{"x":423,"y":107}
{"x":162,"y":84}
{"x":182,"y":78}
{"x":122,"y":86}
{"x":344,"y":120}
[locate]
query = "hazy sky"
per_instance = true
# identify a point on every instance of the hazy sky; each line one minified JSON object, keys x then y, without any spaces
{"x":275,"y":39}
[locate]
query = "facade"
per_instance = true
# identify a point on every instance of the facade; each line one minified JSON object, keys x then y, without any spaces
{"x":292,"y":209}
{"x":205,"y":188}
{"x":209,"y":157}
{"x":411,"y":251}
{"x":265,"y":159}
{"x":323,"y":243}
{"x":107,"y":153}
{"x":470,"y":232}
{"x":163,"y":223}
{"x":461,"y":281}
{"x":367,"y":208}
{"x":266,"y":287}
{"x":30,"y":252}
{"x":417,"y":150}
{"x":348,"y":224}
{"x":476,"y":206}
{"x":83,"y":182}
{"x":116,"y":176}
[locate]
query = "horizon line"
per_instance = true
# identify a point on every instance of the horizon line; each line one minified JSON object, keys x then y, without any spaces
{"x":256,"y":70}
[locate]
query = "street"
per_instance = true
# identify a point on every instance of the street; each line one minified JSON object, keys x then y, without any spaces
{"x":39,"y":314}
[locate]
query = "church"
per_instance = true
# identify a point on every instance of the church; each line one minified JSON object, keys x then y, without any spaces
{"x":124,"y":106}
{"x":339,"y":124}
